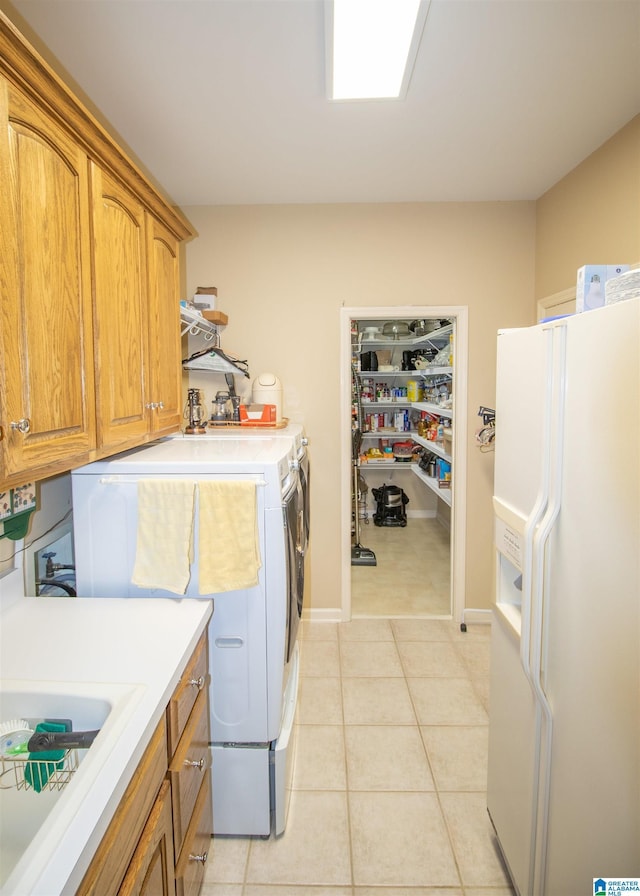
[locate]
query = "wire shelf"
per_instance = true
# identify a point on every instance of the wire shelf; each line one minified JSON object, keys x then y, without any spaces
{"x":37,"y":774}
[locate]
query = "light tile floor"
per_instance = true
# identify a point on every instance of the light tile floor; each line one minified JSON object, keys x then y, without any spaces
{"x":412,"y":573}
{"x":389,"y":786}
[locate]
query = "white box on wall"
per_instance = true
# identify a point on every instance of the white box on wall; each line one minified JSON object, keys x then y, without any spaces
{"x":590,"y":284}
{"x":204,"y":302}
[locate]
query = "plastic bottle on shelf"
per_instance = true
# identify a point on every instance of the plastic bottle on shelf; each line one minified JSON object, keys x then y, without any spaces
{"x":593,"y":299}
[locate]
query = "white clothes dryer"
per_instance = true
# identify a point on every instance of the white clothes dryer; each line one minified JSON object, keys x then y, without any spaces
{"x":253,"y":632}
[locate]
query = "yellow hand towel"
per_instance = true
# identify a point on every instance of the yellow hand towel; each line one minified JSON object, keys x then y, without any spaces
{"x":165,"y":534}
{"x":228,"y":543}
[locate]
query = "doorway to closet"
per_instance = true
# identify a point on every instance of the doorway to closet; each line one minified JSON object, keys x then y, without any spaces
{"x":403,"y":460}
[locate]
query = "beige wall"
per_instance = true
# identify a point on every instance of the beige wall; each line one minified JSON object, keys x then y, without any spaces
{"x":283,"y":272}
{"x":591,"y":216}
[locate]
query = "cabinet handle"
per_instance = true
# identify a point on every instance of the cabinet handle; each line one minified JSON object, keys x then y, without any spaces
{"x":198,"y":858}
{"x":22,"y":426}
{"x":197,"y":682}
{"x":160,"y":405}
{"x":195,"y":763}
{"x":151,"y":406}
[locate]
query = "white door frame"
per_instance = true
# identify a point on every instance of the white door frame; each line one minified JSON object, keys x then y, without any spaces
{"x":459,"y":447}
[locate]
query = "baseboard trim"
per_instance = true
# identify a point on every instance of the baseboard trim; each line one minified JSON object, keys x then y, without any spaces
{"x":472,"y":616}
{"x":421,"y":514}
{"x":322,"y":614}
{"x":411,"y":514}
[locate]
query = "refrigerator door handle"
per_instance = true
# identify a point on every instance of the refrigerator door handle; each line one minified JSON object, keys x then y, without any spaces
{"x":537,"y":513}
{"x":540,"y":594}
{"x":527,"y":577}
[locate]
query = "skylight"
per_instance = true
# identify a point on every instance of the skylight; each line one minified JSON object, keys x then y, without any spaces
{"x":374,"y":44}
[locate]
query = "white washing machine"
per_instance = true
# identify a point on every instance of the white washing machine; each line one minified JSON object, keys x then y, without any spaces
{"x":253,"y":633}
{"x":293,"y":433}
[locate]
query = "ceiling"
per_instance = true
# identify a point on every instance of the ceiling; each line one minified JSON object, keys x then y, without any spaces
{"x":223,"y":101}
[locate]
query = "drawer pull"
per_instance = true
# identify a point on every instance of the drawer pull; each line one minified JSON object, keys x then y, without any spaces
{"x":22,"y":426}
{"x":198,"y":858}
{"x":195,"y":763}
{"x":197,"y":682}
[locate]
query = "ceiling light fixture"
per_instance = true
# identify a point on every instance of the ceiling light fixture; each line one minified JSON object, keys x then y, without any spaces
{"x":372,"y":46}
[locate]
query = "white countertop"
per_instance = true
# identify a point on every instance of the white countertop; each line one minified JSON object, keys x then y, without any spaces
{"x":144,"y":643}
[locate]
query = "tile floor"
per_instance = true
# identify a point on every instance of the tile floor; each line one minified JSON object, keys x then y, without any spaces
{"x":389,"y":787}
{"x":412,"y":574}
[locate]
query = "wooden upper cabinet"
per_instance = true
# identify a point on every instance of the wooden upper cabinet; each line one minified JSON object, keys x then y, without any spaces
{"x":137,"y":319}
{"x":46,"y":357}
{"x":165,"y":349}
{"x":121,"y":314}
{"x":89,"y":274}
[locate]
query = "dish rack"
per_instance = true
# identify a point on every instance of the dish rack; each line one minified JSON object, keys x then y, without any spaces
{"x":52,"y":774}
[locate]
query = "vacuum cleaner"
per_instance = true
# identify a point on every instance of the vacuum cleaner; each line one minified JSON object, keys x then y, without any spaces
{"x":359,"y":556}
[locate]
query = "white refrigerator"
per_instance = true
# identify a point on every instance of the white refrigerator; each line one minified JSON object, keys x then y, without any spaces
{"x":563,"y":788}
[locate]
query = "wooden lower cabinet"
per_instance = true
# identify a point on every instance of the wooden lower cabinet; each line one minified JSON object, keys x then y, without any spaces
{"x":187,"y":768}
{"x":190,"y":774}
{"x":152,"y":868}
{"x":110,"y":864}
{"x":161,"y":835}
{"x":191,"y":864}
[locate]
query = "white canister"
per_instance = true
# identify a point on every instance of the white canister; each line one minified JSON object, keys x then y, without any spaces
{"x":267,"y":389}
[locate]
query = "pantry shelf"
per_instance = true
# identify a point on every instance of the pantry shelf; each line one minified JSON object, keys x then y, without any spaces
{"x":436,"y":336}
{"x":431,"y":482}
{"x":388,"y":434}
{"x":432,"y":409}
{"x":434,"y":447}
{"x":434,"y":371}
{"x":386,"y":463}
{"x":412,"y":383}
{"x":387,"y":404}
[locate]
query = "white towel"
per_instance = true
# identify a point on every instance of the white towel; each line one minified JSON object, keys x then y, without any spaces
{"x":165,"y":534}
{"x":228,"y":546}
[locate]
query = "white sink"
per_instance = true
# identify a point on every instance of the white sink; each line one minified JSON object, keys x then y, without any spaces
{"x":33,"y":825}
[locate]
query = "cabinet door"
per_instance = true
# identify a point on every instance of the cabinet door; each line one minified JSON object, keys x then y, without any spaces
{"x":199,"y":842}
{"x":187,"y":768}
{"x":165,"y":370}
{"x":114,"y":856}
{"x":120,"y":302}
{"x":46,"y":354}
{"x":152,"y":870}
